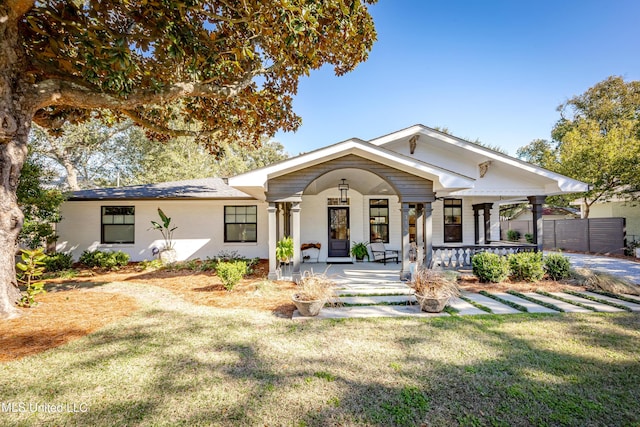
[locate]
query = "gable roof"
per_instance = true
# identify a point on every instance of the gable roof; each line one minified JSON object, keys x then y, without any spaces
{"x":442,"y":177}
{"x":565,"y":183}
{"x":206,"y":188}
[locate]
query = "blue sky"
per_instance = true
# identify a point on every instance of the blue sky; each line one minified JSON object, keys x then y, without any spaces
{"x":488,"y":70}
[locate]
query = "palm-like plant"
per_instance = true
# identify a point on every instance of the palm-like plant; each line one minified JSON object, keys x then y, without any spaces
{"x":165,"y":229}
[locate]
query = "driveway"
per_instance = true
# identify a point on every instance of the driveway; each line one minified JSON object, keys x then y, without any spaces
{"x":620,"y":267}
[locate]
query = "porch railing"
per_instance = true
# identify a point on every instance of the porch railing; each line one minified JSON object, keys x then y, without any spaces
{"x":459,"y":257}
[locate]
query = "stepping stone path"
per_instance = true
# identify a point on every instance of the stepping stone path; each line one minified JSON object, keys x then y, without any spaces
{"x":396,"y":299}
{"x":632,"y":306}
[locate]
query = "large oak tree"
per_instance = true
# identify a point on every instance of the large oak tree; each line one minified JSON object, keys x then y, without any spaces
{"x":231,"y":65}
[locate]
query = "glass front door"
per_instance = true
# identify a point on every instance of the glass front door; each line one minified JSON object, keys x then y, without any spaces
{"x":338,"y":232}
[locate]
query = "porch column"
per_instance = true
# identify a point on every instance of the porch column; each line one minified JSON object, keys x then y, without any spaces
{"x":295,"y":231}
{"x":476,"y":224}
{"x":273,"y":239}
{"x":487,"y":222}
{"x":420,"y":242}
{"x":428,"y":234}
{"x":536,"y":209}
{"x":405,"y":273}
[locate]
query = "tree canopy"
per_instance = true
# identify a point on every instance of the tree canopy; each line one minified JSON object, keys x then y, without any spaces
{"x":230,"y":67}
{"x":596,"y":140}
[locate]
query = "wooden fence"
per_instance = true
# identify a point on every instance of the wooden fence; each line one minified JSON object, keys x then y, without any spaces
{"x":597,"y":235}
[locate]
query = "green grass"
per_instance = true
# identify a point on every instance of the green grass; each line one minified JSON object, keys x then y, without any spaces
{"x":173,"y":363}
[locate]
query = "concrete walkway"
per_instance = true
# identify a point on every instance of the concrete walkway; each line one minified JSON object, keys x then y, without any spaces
{"x":374,"y":290}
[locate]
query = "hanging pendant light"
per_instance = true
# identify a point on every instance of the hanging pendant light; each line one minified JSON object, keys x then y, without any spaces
{"x":344,"y":189}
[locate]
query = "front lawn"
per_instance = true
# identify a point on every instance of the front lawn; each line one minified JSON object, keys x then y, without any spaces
{"x":172,"y":362}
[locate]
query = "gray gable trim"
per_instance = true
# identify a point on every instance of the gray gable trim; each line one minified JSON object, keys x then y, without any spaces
{"x":206,"y":188}
{"x":408,"y":187}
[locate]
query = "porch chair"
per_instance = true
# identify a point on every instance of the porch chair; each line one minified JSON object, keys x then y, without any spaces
{"x":381,"y":253}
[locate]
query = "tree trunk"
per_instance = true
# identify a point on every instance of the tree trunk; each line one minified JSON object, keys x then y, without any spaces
{"x":72,"y":174}
{"x":587,"y":208}
{"x":15,"y":123}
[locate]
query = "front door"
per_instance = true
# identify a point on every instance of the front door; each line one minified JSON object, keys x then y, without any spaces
{"x":338,"y":232}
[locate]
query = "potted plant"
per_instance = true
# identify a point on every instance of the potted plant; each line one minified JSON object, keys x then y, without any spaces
{"x":313,"y":292}
{"x":168,"y":254}
{"x":433,"y":289}
{"x":359,"y":251}
{"x":284,"y":249}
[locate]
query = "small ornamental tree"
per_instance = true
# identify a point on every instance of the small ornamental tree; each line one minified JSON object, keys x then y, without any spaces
{"x":231,"y":68}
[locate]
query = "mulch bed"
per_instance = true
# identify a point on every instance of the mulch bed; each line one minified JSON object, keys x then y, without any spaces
{"x":60,"y":317}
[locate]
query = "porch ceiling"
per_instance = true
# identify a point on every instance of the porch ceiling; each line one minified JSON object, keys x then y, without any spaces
{"x":362,"y":181}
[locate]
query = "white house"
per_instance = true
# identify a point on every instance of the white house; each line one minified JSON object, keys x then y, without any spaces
{"x":416,"y":185}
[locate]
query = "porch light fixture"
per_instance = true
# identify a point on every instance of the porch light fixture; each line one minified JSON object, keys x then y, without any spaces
{"x":344,"y":189}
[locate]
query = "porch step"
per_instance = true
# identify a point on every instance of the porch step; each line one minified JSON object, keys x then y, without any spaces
{"x":339,"y":260}
{"x":369,"y":311}
{"x":374,"y":291}
{"x":379,"y":300}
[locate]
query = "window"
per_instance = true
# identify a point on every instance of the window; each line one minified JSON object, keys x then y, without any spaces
{"x":379,"y":220}
{"x":241,"y":223}
{"x":453,"y":220}
{"x":118,"y":224}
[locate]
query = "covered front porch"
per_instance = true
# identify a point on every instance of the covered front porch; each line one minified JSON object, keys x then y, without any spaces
{"x":432,"y":198}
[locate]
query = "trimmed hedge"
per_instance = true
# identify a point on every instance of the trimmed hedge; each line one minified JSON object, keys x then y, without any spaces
{"x":557,"y":266}
{"x":490,"y":267}
{"x":526,"y":266}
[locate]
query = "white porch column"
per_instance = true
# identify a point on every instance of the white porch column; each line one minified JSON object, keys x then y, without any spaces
{"x":405,"y":273}
{"x":273,"y":239}
{"x":295,"y":231}
{"x":428,"y":234}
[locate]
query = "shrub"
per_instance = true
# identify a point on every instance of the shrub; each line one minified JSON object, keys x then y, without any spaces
{"x":513,"y":235}
{"x":58,"y":261}
{"x":230,"y":273}
{"x":528,"y":237}
{"x":489,"y":267}
{"x":526,"y":266}
{"x":154,"y":264}
{"x":316,"y":286}
{"x":434,"y":284}
{"x":104,"y":259}
{"x":557,"y":266}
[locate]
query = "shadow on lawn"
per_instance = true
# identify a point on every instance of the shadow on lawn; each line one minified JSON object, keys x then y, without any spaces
{"x":173,"y":367}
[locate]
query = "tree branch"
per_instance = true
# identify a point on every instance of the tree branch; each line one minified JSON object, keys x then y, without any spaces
{"x":61,"y":92}
{"x":162,"y":129}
